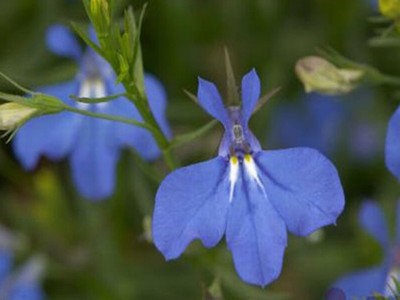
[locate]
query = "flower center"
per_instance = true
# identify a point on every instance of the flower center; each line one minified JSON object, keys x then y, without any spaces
{"x":251,"y":170}
{"x":392,"y":283}
{"x":92,"y":87}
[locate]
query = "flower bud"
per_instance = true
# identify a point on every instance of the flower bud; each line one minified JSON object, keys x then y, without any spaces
{"x":390,"y":8}
{"x":13,"y":115}
{"x":319,"y":75}
{"x":101,"y":13}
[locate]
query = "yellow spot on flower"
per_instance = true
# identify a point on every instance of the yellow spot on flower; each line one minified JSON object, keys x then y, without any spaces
{"x":247,"y":158}
{"x":234,"y":160}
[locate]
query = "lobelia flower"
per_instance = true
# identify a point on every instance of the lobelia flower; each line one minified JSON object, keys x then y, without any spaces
{"x":379,"y":279}
{"x":23,"y":283}
{"x":329,"y":124}
{"x":392,"y":147}
{"x":250,"y":195}
{"x":313,"y":121}
{"x":92,"y":145}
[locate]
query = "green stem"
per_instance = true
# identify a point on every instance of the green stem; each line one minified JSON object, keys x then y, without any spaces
{"x":141,"y":103}
{"x":109,"y":117}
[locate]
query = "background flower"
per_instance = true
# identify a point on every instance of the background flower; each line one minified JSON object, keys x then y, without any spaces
{"x":92,"y":145}
{"x":379,"y":279}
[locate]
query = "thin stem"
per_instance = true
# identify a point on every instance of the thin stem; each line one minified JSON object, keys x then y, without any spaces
{"x":141,"y":103}
{"x":109,"y":117}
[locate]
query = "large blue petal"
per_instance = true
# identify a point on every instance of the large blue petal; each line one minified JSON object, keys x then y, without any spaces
{"x":255,"y":233}
{"x":50,"y":135}
{"x":94,"y":158}
{"x":303,"y":186}
{"x":362,"y":284}
{"x":373,"y":221}
{"x":157,"y":97}
{"x":392,"y":149}
{"x":250,"y":93}
{"x":191,"y":203}
{"x":210,"y":100}
{"x":61,"y":41}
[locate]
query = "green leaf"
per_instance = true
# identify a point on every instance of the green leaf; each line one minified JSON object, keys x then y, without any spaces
{"x":384,"y":42}
{"x":264,"y":99}
{"x":179,"y":140}
{"x":15,"y":84}
{"x":81,"y":30}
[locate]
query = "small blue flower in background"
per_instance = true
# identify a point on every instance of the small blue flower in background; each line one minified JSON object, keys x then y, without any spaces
{"x":379,"y":279}
{"x":392,"y":147}
{"x":22,"y":283}
{"x":250,"y":195}
{"x":327,"y":123}
{"x":312,"y":121}
{"x":92,"y":145}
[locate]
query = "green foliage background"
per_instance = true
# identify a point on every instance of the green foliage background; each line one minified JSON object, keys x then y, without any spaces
{"x":100,"y":250}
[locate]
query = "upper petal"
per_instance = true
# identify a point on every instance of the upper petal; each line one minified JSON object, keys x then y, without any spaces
{"x":255,"y":233}
{"x":191,"y":203}
{"x":303,"y":186}
{"x":392,"y":147}
{"x":158,"y":102}
{"x":210,"y":100}
{"x":373,"y":221}
{"x":61,"y":41}
{"x":94,"y":158}
{"x":250,"y":93}
{"x":364,"y":283}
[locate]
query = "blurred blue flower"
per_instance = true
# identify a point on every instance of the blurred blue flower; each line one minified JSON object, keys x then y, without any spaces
{"x":312,"y":121}
{"x":24,"y":282}
{"x":250,"y":195}
{"x":379,"y":279}
{"x":392,"y":147}
{"x":92,"y":145}
{"x":327,"y":123}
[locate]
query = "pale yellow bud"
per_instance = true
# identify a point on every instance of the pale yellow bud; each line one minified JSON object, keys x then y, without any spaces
{"x":13,"y":114}
{"x":319,"y":75}
{"x":390,"y":8}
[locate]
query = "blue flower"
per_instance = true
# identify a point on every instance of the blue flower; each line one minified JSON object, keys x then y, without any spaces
{"x":327,"y":123}
{"x":377,"y":279}
{"x":250,"y":195}
{"x":312,"y":121}
{"x":24,"y":283}
{"x":392,"y":147}
{"x":92,"y":145}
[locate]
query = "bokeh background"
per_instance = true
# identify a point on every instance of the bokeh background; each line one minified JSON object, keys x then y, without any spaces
{"x":102,"y":250}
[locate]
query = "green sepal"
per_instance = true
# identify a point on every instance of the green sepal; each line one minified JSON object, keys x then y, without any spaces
{"x":232,"y":88}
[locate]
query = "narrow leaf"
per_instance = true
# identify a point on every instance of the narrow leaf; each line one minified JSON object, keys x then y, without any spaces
{"x":17,"y":85}
{"x":188,"y":137}
{"x":82,"y":32}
